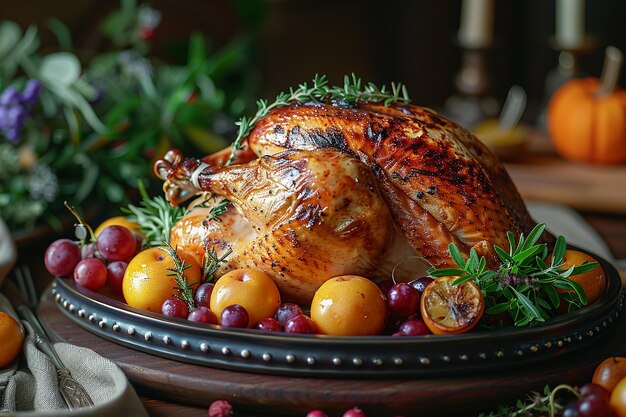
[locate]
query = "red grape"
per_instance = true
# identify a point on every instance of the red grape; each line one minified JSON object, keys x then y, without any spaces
{"x":403,"y":299}
{"x":88,"y":250}
{"x":91,"y":273}
{"x":421,"y":283}
{"x":235,"y":315}
{"x":61,"y":257}
{"x":593,"y":406}
{"x":300,"y":324}
{"x":595,"y":389}
{"x":202,"y":315}
{"x":354,"y":412}
{"x":202,"y":297}
{"x":116,"y":243}
{"x":115,"y":275}
{"x":287,"y":311}
{"x":316,"y":413}
{"x":385,"y":285}
{"x":175,"y":307}
{"x":268,"y":324}
{"x":412,"y":327}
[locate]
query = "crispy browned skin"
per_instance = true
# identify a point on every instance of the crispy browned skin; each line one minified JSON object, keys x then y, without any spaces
{"x":441,"y":184}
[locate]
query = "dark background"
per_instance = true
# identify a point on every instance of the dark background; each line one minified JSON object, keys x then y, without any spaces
{"x":392,"y":40}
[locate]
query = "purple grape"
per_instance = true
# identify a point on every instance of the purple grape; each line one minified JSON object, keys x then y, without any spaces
{"x":403,"y":299}
{"x":421,"y":283}
{"x":115,"y":275}
{"x":91,"y":273}
{"x":202,"y":297}
{"x":300,"y":324}
{"x":413,"y":327}
{"x":285,"y":312}
{"x":202,"y":315}
{"x":61,"y":257}
{"x":175,"y":307}
{"x":235,"y":316}
{"x":116,"y":243}
{"x":268,"y":324}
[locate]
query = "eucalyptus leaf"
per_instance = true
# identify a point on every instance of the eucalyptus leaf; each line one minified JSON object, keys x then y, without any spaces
{"x":10,"y":34}
{"x":60,"y":68}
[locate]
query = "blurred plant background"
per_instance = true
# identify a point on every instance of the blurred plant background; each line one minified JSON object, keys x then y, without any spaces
{"x":86,"y":127}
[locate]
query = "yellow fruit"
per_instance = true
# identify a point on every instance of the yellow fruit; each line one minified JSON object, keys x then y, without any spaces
{"x":11,"y":339}
{"x":252,"y":289}
{"x":592,"y":282}
{"x":146,"y":283}
{"x":119,"y":221}
{"x":349,"y":305}
{"x":618,"y":399}
{"x":448,"y":309}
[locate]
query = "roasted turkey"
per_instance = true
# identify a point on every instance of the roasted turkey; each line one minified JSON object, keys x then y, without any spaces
{"x":335,"y":183}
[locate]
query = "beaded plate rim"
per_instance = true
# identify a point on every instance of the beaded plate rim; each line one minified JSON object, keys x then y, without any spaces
{"x":340,"y":357}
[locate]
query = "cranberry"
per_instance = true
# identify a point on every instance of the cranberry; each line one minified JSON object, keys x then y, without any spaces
{"x":175,"y":307}
{"x":316,"y":413}
{"x":287,"y":311}
{"x":202,"y":315}
{"x":354,"y":412}
{"x":300,"y":324}
{"x":220,"y":408}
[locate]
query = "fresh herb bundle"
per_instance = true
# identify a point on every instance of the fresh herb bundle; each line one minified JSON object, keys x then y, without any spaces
{"x":537,"y":404}
{"x":155,"y":216}
{"x":524,"y":285}
{"x":352,"y":91}
{"x":180,"y":278}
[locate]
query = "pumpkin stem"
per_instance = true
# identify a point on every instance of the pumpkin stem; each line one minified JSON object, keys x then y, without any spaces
{"x":610,"y":73}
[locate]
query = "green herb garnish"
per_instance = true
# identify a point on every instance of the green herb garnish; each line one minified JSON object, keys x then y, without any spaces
{"x":523,"y":285}
{"x":536,"y":404}
{"x":180,"y":278}
{"x":155,"y":216}
{"x":211,"y":263}
{"x":352,"y":91}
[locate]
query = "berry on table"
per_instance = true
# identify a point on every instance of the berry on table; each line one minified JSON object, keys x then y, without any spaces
{"x":354,"y":412}
{"x":220,"y":408}
{"x":316,"y":413}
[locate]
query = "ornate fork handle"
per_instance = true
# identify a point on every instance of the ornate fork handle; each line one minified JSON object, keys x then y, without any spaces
{"x":73,"y":393}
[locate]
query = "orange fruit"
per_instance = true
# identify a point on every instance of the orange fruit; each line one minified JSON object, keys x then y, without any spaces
{"x":349,"y":305}
{"x":118,"y":221}
{"x":252,"y":289}
{"x":618,"y":399}
{"x":592,"y":282}
{"x":11,"y":339}
{"x":146,"y":283}
{"x":610,"y":372}
{"x":448,"y":309}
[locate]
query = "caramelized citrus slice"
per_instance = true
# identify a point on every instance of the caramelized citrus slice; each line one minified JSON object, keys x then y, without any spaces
{"x":448,"y":309}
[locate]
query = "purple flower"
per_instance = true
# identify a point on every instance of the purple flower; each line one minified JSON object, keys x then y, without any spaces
{"x":15,"y":108}
{"x":31,"y":91}
{"x":10,"y":96}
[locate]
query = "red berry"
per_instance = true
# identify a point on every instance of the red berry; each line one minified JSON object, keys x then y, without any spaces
{"x":116,"y":243}
{"x":235,"y":316}
{"x":268,"y":324}
{"x":202,"y":315}
{"x":301,"y":324}
{"x":220,"y":408}
{"x":354,"y":412}
{"x":91,"y":273}
{"x":175,"y":307}
{"x":316,"y":413}
{"x":61,"y":257}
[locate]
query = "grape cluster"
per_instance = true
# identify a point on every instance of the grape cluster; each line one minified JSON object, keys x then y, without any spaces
{"x":15,"y":108}
{"x":93,"y":264}
{"x":594,"y":401}
{"x":403,"y":302}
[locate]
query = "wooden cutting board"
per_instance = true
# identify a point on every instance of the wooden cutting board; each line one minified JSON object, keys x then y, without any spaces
{"x":540,"y":174}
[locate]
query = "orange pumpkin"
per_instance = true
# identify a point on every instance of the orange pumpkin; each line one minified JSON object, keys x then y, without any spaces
{"x":587,"y":127}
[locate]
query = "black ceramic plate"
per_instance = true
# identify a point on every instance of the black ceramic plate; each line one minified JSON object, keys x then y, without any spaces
{"x":316,"y":355}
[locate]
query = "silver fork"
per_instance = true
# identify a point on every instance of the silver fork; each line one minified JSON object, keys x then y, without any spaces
{"x":73,"y":393}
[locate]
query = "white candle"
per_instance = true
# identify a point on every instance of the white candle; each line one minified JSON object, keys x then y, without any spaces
{"x":570,"y":23}
{"x":476,"y":29}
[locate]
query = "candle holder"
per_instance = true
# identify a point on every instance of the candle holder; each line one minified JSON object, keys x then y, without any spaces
{"x":472,"y":101}
{"x":567,"y":68}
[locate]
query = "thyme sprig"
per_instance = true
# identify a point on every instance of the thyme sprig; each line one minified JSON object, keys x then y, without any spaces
{"x":536,"y":404}
{"x":523,"y":285}
{"x":211,"y":263}
{"x":155,"y":216}
{"x":352,"y":91}
{"x":180,"y":278}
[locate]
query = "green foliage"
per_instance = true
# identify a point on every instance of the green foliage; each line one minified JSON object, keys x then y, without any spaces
{"x":523,"y":285}
{"x":101,"y":121}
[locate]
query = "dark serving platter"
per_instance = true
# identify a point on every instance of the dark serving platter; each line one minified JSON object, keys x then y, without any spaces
{"x":340,"y":357}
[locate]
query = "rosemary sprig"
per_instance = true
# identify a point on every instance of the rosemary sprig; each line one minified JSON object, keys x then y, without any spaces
{"x":180,"y":278}
{"x":352,"y":91}
{"x":220,"y":208}
{"x":155,"y":216}
{"x":537,"y":404}
{"x":211,"y":263}
{"x":523,"y":285}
